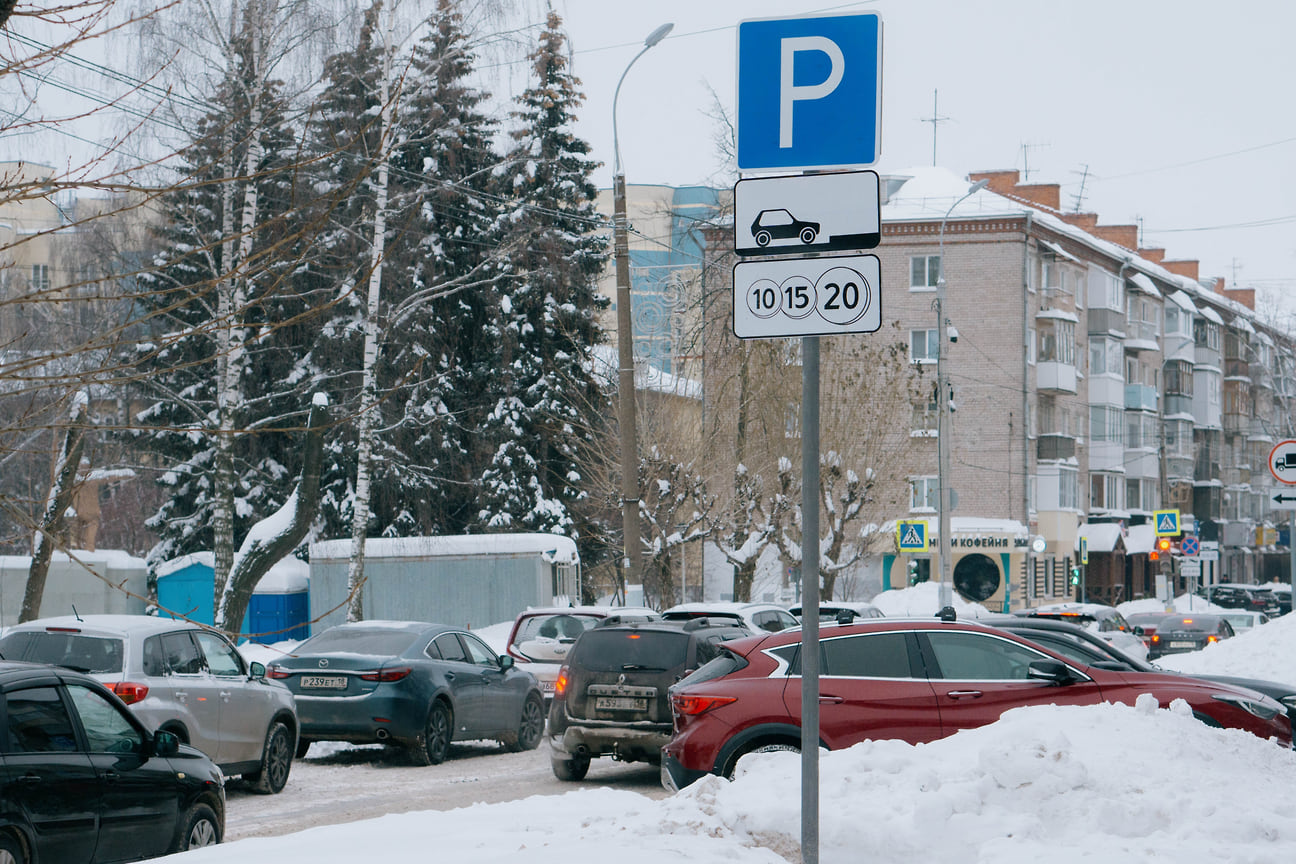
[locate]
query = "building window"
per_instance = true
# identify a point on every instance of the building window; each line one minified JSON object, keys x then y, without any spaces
{"x":1178,"y":378}
{"x":1206,"y":334}
{"x":1106,"y":291}
{"x":923,"y":493}
{"x":1237,"y":397}
{"x":925,"y":422}
{"x":1057,"y":342}
{"x":923,"y":346}
{"x":1105,"y":423}
{"x":924,"y":271}
{"x":1105,"y":356}
{"x":1068,"y":488}
{"x":40,"y":278}
{"x":1104,"y":491}
{"x":1030,"y":346}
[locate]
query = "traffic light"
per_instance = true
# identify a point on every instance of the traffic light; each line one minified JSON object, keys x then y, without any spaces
{"x":913,"y":572}
{"x":1075,"y":575}
{"x":1163,"y":544}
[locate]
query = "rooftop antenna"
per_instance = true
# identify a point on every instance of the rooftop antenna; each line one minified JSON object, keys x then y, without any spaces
{"x":1079,"y":196}
{"x":936,"y":119}
{"x":1025,"y":151}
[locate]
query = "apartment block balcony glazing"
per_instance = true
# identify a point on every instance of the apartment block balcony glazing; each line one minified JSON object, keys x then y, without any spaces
{"x":1055,"y":369}
{"x":1140,"y":397}
{"x":1055,"y":447}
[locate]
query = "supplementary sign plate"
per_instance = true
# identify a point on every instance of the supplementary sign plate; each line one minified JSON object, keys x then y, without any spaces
{"x":807,"y":296}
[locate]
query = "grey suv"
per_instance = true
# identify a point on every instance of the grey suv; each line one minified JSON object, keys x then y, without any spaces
{"x":611,"y":695}
{"x":179,"y":678}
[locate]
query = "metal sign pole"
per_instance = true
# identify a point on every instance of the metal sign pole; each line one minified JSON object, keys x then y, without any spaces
{"x":810,"y":600}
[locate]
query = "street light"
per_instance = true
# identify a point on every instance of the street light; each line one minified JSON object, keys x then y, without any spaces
{"x":625,"y":337}
{"x":944,"y":546}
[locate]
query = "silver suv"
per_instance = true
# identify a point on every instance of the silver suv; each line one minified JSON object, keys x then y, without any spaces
{"x":180,"y":678}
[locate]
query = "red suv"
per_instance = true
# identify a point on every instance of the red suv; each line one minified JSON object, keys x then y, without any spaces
{"x":915,"y":680}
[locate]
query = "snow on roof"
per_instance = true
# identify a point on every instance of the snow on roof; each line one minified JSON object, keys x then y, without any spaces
{"x":206,"y":559}
{"x":1144,"y":284}
{"x":1183,"y":300}
{"x":1140,"y":539}
{"x":1243,"y":324}
{"x":1058,"y":250}
{"x":117,"y":559}
{"x":288,"y":576}
{"x":1102,"y":536}
{"x":647,"y":376}
{"x":926,"y":193}
{"x":1210,"y":314}
{"x":1058,"y":313}
{"x":555,"y":548}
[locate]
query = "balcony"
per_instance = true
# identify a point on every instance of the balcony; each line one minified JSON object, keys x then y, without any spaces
{"x":1140,"y":397}
{"x":1056,"y":377}
{"x":1055,"y":447}
{"x":1107,"y":321}
{"x":1142,"y":336}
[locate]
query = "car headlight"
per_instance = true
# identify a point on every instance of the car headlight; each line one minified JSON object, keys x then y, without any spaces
{"x":1260,"y":705}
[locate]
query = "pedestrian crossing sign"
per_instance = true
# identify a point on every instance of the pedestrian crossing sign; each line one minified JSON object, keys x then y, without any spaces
{"x":911,"y":536}
{"x":1167,"y":523}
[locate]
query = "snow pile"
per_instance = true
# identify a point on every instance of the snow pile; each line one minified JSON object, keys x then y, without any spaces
{"x":1261,"y":652}
{"x":923,"y":601}
{"x":1062,"y":784}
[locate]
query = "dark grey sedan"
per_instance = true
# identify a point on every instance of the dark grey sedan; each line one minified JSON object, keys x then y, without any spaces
{"x":412,"y":684}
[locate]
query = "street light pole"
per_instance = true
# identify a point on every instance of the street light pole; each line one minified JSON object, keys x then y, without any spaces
{"x":944,"y":545}
{"x":625,"y":339}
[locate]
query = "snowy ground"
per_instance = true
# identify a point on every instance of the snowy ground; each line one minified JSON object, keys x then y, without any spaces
{"x":1062,"y":784}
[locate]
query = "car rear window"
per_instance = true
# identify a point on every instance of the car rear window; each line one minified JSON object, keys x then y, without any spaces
{"x":385,"y":641}
{"x":557,"y":626}
{"x":612,"y":650}
{"x":723,"y":664}
{"x":95,"y":655}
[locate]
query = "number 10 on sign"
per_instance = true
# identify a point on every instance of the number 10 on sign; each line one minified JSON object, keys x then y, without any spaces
{"x":807,"y":297}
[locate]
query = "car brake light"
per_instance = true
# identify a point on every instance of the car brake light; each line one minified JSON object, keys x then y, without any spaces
{"x":560,"y":684}
{"x":691,"y":705}
{"x":278,"y":673}
{"x":130,"y":693}
{"x":1156,"y":638}
{"x":62,"y":629}
{"x":1212,"y":638}
{"x":387,"y":675}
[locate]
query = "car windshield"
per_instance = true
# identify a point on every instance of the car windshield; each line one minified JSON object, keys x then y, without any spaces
{"x":623,"y":650}
{"x":557,"y":626}
{"x":382,"y":641}
{"x":94,"y":655}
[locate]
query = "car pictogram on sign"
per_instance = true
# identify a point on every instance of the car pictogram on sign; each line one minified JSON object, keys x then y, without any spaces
{"x":779,"y":224}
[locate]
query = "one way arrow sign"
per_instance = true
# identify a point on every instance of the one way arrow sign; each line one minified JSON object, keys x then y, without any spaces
{"x":1283,"y":502}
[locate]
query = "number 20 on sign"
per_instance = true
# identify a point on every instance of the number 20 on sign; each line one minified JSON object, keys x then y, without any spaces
{"x":807,"y":297}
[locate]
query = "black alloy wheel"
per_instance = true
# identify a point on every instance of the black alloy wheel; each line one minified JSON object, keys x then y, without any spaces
{"x":276,"y":761}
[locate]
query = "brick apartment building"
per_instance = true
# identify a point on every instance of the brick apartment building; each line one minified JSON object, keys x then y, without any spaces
{"x":1095,"y":382}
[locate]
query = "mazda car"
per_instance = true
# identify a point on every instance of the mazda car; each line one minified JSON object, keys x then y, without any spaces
{"x":410,"y":684}
{"x":915,"y":680}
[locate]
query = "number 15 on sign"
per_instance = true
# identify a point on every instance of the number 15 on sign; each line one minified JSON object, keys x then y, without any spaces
{"x":807,"y":297}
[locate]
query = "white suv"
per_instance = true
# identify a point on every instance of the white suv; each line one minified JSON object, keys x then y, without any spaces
{"x":757,"y":617}
{"x":178,"y":677}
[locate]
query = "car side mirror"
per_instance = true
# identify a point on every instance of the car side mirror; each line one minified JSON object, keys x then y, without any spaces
{"x":1137,"y":630}
{"x":1049,"y":670}
{"x":505,"y":662}
{"x":257,"y":669}
{"x":165,"y":743}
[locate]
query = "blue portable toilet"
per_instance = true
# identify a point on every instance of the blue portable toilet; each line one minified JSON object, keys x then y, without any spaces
{"x":279,"y":610}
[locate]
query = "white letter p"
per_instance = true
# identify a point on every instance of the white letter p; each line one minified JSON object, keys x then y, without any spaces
{"x":790,"y":93}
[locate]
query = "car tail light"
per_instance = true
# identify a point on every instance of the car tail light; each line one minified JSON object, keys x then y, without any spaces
{"x":560,"y":684}
{"x":129,"y":692}
{"x":387,"y":675}
{"x":1212,"y":638}
{"x":688,"y":705}
{"x":1156,"y":638}
{"x":278,"y":673}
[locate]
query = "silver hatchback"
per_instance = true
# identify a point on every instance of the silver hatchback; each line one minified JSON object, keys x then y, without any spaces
{"x":178,"y":677}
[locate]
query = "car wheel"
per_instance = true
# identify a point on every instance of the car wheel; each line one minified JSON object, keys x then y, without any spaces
{"x":762,"y":238}
{"x":11,"y":850}
{"x":808,"y":235}
{"x":764,"y":748}
{"x":200,"y":828}
{"x":531,"y":726}
{"x":303,"y":744}
{"x":276,"y":761}
{"x":570,"y":769}
{"x":432,"y":747}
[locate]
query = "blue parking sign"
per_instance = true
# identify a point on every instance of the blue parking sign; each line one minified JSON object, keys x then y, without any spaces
{"x":809,"y":92}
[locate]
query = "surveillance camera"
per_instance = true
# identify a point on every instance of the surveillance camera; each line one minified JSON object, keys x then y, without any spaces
{"x":952,"y":332}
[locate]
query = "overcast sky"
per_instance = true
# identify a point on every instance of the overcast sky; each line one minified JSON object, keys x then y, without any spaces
{"x":1179,"y":113}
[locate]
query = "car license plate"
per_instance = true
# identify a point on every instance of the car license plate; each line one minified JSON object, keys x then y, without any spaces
{"x":1183,"y":644}
{"x":547,"y":686}
{"x":323,"y":682}
{"x":620,"y":703}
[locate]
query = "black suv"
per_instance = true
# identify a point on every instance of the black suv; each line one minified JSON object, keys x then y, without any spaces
{"x":1253,"y":598}
{"x":610,"y":698}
